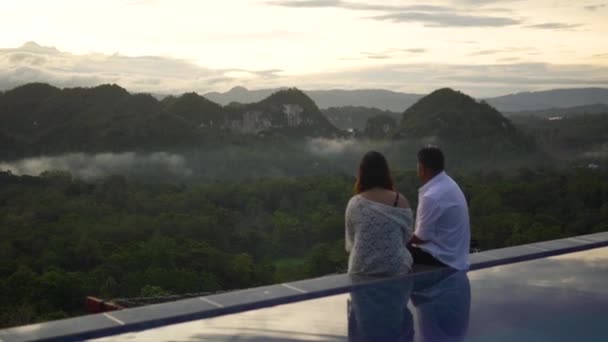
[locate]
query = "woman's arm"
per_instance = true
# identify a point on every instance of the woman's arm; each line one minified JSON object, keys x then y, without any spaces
{"x":349,"y":231}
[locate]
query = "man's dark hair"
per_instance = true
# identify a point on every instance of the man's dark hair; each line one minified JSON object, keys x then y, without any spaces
{"x":432,"y":158}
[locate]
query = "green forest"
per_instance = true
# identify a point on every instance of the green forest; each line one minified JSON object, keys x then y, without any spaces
{"x":63,"y":239}
{"x":182,"y":195}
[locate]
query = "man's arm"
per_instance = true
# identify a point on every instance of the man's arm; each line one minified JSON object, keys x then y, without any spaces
{"x":426,"y":221}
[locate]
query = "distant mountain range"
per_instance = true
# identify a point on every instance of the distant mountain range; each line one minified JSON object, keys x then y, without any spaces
{"x":598,"y":108}
{"x":399,"y":102}
{"x":558,"y":98}
{"x":375,"y":98}
{"x":38,"y":118}
{"x":351,"y":117}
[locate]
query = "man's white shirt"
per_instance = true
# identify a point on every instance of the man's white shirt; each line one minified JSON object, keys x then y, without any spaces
{"x":442,"y":219}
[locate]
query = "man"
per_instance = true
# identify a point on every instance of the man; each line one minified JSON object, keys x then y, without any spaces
{"x":442,"y":234}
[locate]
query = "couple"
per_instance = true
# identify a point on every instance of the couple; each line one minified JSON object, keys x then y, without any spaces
{"x":379,"y":233}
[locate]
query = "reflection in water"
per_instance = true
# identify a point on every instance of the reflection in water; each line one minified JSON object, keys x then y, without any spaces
{"x":380,"y":313}
{"x":441,"y":300}
{"x":442,"y":307}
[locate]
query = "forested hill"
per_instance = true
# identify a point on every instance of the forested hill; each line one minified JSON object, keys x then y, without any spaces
{"x":40,"y":118}
{"x":288,"y":111}
{"x":106,"y":117}
{"x":453,"y":116}
{"x":397,"y":101}
{"x":355,"y":117}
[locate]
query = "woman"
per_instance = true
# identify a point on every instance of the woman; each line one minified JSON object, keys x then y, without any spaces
{"x":378,"y":222}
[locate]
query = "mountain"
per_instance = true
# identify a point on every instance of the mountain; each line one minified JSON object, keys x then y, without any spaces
{"x":379,"y":126}
{"x":102,"y":118}
{"x":598,"y":108}
{"x":38,"y":118}
{"x":377,"y":98}
{"x":397,"y":102}
{"x":195,"y":109}
{"x":18,"y":106}
{"x":453,"y":116}
{"x":9,"y":146}
{"x":240,"y":95}
{"x":355,"y":117}
{"x":558,"y":98}
{"x":288,"y":112}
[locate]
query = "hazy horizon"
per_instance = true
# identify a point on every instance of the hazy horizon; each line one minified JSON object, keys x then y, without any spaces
{"x":287,"y":86}
{"x":171,"y":47}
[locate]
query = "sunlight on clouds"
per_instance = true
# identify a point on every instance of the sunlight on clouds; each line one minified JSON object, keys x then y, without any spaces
{"x":227,"y":42}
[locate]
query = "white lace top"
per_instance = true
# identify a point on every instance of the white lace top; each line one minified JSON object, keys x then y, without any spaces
{"x":376,"y":237}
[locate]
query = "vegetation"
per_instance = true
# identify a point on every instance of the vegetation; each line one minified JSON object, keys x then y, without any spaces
{"x":63,"y":239}
{"x":351,"y":117}
{"x":255,"y":202}
{"x":581,"y":137}
{"x":37,"y":119}
{"x":379,"y":126}
{"x":455,"y":116}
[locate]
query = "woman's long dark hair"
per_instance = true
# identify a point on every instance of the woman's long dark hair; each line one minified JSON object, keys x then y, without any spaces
{"x":373,"y":173}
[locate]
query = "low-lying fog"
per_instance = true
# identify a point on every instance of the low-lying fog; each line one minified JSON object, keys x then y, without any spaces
{"x":312,"y":157}
{"x":315,"y":156}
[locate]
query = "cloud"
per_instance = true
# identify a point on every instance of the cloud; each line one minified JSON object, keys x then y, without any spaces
{"x":499,"y":51}
{"x":429,"y":15}
{"x":356,"y":6}
{"x":258,"y":74}
{"x":554,"y":26}
{"x":307,"y":3}
{"x":94,"y":166}
{"x":595,"y":7}
{"x":483,"y":2}
{"x":448,"y":19}
{"x":509,"y":59}
{"x":388,"y":53}
{"x":486,"y":52}
{"x":415,"y":50}
{"x":377,"y":56}
{"x":163,"y":75}
{"x":34,"y":63}
{"x":479,"y":80}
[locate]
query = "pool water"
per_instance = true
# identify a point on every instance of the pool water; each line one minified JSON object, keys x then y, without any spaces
{"x":562,"y":298}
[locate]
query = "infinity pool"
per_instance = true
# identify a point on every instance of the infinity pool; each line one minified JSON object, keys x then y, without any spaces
{"x":561,"y":298}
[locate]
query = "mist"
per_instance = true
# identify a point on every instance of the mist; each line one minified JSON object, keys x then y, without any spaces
{"x":332,"y":147}
{"x":311,"y":157}
{"x":95,"y":166}
{"x":231,"y":161}
{"x":599,"y":152}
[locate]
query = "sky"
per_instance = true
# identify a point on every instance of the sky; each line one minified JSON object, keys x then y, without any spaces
{"x":482,"y":47}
